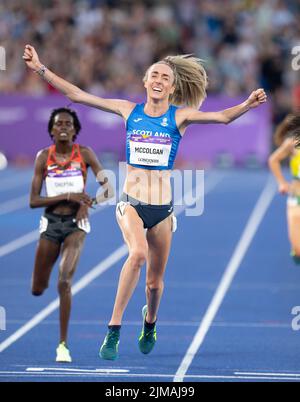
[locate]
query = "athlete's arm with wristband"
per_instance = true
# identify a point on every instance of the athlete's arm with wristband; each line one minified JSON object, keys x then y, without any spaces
{"x":226,"y":116}
{"x":118,"y":106}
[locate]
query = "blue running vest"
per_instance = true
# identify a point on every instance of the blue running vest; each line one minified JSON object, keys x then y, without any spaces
{"x":152,"y":142}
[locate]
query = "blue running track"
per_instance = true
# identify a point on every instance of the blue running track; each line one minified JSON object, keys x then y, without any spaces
{"x":249,"y":337}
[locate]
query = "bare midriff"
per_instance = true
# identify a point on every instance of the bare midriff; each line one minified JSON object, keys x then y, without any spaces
{"x":148,"y":186}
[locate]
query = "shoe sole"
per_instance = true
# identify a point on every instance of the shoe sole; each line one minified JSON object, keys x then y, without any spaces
{"x":108,"y":357}
{"x":63,"y":361}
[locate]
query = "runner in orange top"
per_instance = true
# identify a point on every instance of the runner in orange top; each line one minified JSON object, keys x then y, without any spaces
{"x":64,"y":225}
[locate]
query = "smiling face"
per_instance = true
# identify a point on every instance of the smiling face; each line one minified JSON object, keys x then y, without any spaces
{"x":63,"y":129}
{"x":159,"y":81}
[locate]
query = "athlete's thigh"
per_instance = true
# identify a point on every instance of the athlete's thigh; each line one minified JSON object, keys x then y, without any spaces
{"x":46,"y":256}
{"x":132,"y":228}
{"x":71,"y":251}
{"x":159,"y":241}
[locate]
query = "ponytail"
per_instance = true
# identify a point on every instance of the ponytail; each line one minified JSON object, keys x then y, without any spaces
{"x":289,"y":127}
{"x":190,"y":80}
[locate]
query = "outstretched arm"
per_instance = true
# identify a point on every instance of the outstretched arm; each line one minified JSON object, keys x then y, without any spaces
{"x":120,"y":107}
{"x":189,"y":116}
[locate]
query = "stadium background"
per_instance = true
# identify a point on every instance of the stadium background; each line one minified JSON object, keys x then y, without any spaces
{"x":230,"y":280}
{"x":105,"y":48}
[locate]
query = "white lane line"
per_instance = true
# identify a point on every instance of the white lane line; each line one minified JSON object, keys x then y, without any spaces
{"x":81,"y":284}
{"x":269,"y":374}
{"x":18,"y":181}
{"x":14,"y":204}
{"x":250,"y":230}
{"x":19,"y":243}
{"x":138,"y":375}
{"x":79,"y":371}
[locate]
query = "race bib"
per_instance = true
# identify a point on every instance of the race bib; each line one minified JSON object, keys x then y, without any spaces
{"x":63,"y":182}
{"x":149,"y":151}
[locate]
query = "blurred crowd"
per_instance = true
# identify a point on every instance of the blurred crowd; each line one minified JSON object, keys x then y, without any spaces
{"x":106,"y":45}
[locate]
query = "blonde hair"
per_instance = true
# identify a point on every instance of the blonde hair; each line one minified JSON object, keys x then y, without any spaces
{"x":289,"y":127}
{"x":190,"y":80}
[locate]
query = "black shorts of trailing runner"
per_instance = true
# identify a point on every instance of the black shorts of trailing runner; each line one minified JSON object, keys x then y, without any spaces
{"x":57,"y":228}
{"x":151,"y":215}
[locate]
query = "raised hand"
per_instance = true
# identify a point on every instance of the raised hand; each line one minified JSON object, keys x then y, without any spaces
{"x":31,"y":58}
{"x":256,"y":98}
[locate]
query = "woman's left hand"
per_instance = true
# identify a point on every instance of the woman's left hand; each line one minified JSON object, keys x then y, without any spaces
{"x":257,"y":98}
{"x":82,"y":213}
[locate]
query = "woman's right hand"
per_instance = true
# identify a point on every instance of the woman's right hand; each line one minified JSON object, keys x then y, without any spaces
{"x":80,"y":198}
{"x":284,"y":187}
{"x":31,"y":58}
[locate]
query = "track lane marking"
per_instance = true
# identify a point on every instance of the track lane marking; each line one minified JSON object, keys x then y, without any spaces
{"x":240,"y":251}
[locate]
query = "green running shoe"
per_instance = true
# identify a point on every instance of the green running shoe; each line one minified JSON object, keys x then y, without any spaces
{"x":110,"y":346}
{"x":295,"y":257}
{"x":147,"y":337}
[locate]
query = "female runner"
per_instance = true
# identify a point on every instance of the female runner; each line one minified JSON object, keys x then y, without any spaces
{"x":286,"y":137}
{"x":154,"y":131}
{"x":63,"y":227}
